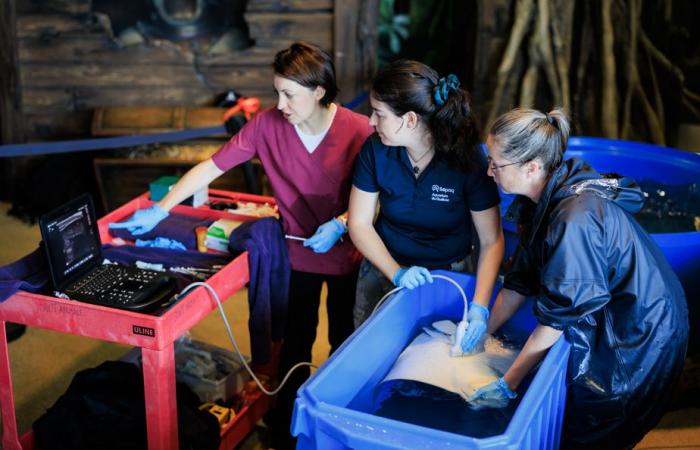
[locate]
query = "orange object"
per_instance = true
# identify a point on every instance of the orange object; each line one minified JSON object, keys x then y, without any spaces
{"x":201,"y":237}
{"x":247,"y":105}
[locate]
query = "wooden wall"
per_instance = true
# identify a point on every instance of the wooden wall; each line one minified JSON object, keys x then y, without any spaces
{"x":69,"y":66}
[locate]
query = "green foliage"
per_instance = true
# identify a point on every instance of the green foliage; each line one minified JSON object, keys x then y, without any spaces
{"x":393,"y":31}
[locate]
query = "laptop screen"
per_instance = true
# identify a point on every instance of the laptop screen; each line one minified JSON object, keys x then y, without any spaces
{"x":71,"y":240}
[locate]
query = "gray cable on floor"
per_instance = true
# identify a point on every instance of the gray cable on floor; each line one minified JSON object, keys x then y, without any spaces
{"x":235,"y":344}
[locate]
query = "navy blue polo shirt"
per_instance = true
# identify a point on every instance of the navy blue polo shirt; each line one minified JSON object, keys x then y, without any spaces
{"x":426,"y":220}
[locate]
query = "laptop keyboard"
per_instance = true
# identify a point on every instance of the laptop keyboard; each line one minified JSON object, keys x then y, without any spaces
{"x":117,"y":285}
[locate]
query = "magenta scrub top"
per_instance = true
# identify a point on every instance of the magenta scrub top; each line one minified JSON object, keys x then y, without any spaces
{"x":310,"y":188}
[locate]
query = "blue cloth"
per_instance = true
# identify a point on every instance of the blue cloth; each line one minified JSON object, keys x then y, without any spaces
{"x":268,"y":293}
{"x":424,"y":221}
{"x":598,"y":276}
{"x":178,"y":227}
{"x":128,"y":255}
{"x":29,"y":273}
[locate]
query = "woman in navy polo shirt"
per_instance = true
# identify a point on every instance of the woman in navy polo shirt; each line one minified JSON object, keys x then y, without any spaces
{"x":424,"y":168}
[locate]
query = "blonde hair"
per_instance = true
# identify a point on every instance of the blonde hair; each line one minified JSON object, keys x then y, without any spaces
{"x":528,"y":134}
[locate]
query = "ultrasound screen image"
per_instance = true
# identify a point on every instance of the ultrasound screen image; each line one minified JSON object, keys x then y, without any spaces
{"x":72,"y":241}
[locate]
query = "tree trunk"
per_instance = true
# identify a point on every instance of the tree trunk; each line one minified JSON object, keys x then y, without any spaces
{"x":609,"y":88}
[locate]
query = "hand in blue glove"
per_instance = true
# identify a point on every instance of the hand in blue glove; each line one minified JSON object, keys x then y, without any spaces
{"x":143,"y":220}
{"x":412,"y":277}
{"x":494,"y":395}
{"x":325,"y":236}
{"x":478,"y":317}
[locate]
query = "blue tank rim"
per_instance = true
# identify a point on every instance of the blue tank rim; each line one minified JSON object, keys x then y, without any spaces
{"x":672,"y":156}
{"x":619,"y":144}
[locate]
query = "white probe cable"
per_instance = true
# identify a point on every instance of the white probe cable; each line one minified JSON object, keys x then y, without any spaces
{"x":456,"y":349}
{"x":235,"y":344}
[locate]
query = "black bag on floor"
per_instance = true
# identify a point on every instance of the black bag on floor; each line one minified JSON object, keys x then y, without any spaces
{"x":104,"y":408}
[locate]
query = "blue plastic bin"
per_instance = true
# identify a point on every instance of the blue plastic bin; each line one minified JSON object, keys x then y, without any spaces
{"x":331,"y":410}
{"x":651,"y":162}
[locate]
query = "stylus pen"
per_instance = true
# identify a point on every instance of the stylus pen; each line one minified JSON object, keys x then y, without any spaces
{"x":297,"y":238}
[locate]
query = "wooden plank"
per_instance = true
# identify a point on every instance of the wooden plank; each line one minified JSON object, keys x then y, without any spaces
{"x":96,"y":48}
{"x":48,"y":25}
{"x":64,"y":125}
{"x":64,"y":6}
{"x":268,"y":29}
{"x":96,"y":75}
{"x":61,"y":35}
{"x":82,"y":7}
{"x":50,"y":100}
{"x":102,"y":50}
{"x":280,"y":6}
{"x":278,"y":30}
{"x":354,"y":44}
{"x":114,"y":121}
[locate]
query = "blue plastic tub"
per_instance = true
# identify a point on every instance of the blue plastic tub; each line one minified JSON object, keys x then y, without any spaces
{"x":331,"y":410}
{"x":645,"y":161}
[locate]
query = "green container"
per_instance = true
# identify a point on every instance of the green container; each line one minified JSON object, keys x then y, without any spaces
{"x":160,"y":187}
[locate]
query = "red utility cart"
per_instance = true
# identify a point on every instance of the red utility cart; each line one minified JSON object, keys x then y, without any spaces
{"x":126,"y":327}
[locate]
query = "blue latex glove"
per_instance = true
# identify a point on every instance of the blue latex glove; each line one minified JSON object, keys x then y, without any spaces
{"x":493,"y":395}
{"x":412,"y":277}
{"x":143,"y":220}
{"x":325,"y":236}
{"x":478,"y":317}
{"x":161,"y":242}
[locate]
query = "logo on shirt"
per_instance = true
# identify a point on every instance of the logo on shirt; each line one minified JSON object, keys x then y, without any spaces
{"x":441,"y":194}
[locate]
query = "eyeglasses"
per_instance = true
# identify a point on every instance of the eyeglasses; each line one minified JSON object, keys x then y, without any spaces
{"x":496,"y":168}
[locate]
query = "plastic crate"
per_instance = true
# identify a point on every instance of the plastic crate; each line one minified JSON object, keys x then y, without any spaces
{"x":221,"y":382}
{"x":331,"y":407}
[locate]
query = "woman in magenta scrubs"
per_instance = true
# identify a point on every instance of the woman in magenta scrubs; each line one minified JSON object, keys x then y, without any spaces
{"x":307,"y":146}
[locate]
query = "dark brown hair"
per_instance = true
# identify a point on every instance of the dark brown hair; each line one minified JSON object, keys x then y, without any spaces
{"x":307,"y":64}
{"x":407,"y":85}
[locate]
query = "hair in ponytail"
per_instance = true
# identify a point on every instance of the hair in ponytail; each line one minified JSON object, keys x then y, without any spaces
{"x":528,"y":134}
{"x":440,"y":103}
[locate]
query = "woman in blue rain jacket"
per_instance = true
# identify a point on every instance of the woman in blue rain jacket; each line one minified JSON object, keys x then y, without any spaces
{"x":595,"y":276}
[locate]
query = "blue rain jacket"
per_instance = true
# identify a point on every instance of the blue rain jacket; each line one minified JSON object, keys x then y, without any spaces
{"x":598,"y":276}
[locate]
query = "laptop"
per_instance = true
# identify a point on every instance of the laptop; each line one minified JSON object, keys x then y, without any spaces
{"x":74,"y":252}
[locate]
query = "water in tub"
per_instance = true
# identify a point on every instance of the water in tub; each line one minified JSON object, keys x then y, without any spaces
{"x":670,"y":208}
{"x":427,"y":387}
